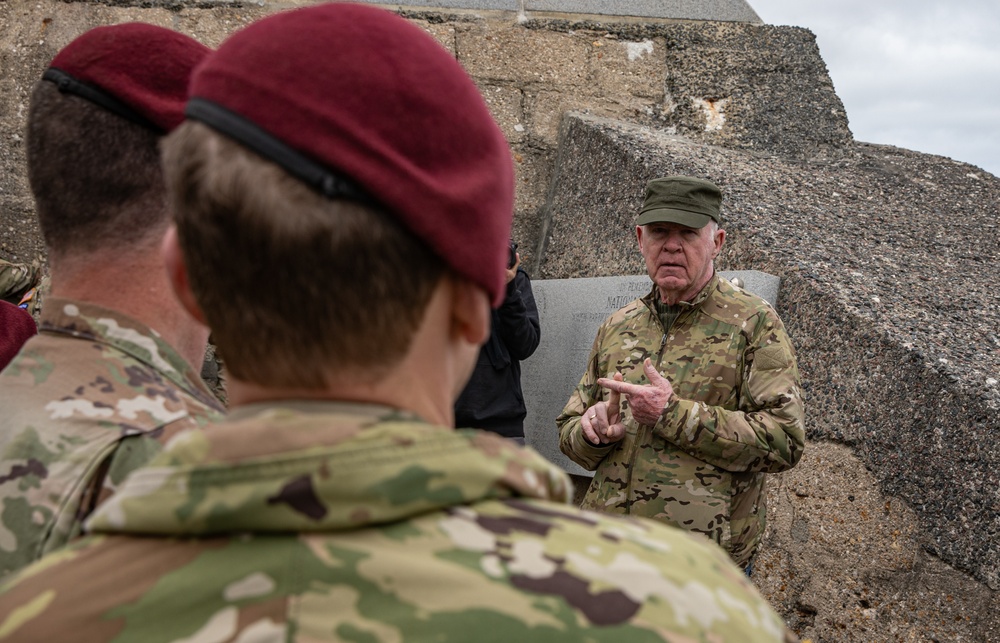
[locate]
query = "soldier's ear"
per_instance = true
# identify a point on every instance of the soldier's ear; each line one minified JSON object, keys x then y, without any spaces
{"x":470,"y":311}
{"x":177,"y":273}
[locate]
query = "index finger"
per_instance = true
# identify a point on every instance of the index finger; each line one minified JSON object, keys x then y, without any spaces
{"x":618,"y":387}
{"x":614,"y":399}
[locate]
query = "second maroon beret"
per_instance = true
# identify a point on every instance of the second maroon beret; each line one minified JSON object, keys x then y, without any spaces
{"x":136,"y":70}
{"x":360,"y":103}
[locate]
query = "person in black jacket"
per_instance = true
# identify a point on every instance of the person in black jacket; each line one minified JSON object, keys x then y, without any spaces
{"x":492,"y":400}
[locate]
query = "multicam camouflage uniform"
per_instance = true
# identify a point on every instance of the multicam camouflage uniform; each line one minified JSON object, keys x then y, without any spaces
{"x":15,"y":278}
{"x":736,"y":415}
{"x":89,"y":399}
{"x":326,"y":521}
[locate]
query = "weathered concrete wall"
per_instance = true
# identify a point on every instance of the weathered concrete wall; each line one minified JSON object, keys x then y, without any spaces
{"x":683,"y":76}
{"x":883,"y":530}
{"x":887,"y":293}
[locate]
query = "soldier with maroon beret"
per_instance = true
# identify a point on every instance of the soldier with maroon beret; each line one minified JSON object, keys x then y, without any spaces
{"x":109,"y":378}
{"x":340,"y":153}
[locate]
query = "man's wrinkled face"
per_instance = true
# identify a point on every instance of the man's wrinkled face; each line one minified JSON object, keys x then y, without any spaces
{"x":679,"y":259}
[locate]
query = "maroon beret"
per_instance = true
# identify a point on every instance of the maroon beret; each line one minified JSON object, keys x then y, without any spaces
{"x":16,"y":327}
{"x":135,"y":70}
{"x":362,"y":104}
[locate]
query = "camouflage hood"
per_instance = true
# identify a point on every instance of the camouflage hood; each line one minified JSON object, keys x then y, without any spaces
{"x":320,"y":466}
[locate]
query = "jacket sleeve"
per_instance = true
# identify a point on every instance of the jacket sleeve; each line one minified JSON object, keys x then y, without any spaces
{"x":766,"y":433}
{"x":587,"y":393}
{"x":518,"y":325}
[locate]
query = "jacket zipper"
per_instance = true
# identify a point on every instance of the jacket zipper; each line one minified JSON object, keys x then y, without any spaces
{"x":640,"y":433}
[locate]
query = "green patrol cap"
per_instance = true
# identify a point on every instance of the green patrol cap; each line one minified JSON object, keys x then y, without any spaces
{"x":685,"y":200}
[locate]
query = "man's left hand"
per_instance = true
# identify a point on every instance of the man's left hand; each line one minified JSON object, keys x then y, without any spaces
{"x":512,"y":271}
{"x":646,"y":401}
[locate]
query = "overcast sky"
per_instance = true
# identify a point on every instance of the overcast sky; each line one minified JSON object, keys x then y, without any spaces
{"x":919,"y":74}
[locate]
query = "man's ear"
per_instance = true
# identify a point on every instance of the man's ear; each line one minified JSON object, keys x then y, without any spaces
{"x":638,"y":236}
{"x":470,"y":311}
{"x":719,"y":239}
{"x":177,"y":274}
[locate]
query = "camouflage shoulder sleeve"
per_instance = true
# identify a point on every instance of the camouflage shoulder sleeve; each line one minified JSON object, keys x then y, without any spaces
{"x":767,"y":432}
{"x":126,"y":455}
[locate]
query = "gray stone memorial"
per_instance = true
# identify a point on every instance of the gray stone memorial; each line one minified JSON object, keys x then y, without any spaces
{"x":570,"y":311}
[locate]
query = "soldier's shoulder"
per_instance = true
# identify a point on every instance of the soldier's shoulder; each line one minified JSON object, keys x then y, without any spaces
{"x":531,"y":568}
{"x":74,"y":363}
{"x":736,"y":306}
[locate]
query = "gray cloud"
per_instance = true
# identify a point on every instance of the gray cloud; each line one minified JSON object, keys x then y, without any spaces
{"x":923,"y":75}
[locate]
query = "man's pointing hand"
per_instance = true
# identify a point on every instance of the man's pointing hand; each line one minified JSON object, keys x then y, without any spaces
{"x":646,"y":401}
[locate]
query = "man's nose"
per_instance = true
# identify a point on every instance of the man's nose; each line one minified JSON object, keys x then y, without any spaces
{"x":672,"y":242}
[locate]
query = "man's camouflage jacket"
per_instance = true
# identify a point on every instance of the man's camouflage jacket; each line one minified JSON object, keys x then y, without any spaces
{"x":736,"y":414}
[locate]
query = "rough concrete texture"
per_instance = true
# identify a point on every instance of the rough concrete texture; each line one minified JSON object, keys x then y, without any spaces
{"x":884,"y":256}
{"x":887,"y":292}
{"x":845,"y":561}
{"x":746,"y":86}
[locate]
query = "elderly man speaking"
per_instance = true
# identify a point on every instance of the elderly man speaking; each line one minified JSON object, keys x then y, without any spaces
{"x":691,"y":393}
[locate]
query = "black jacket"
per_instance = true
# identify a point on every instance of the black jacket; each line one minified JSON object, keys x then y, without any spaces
{"x":492,"y":399}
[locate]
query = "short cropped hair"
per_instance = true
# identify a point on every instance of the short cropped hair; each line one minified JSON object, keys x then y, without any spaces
{"x":295,"y":286}
{"x":95,"y":176}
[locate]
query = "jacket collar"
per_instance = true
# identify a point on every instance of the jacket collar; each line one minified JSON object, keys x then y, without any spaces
{"x":699,"y":299}
{"x":88,"y":321}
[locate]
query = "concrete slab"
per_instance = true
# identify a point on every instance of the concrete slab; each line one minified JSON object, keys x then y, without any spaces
{"x":495,"y":5}
{"x":716,"y":10}
{"x":570,"y":311}
{"x":719,"y":10}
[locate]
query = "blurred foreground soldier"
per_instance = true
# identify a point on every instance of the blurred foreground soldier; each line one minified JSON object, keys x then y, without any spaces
{"x":16,"y":279}
{"x":335,"y":503}
{"x":109,"y":376}
{"x":708,"y":385}
{"x":493,"y":400}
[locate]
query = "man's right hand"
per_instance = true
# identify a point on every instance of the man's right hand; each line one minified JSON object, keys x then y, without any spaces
{"x":646,"y":401}
{"x":602,"y":422}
